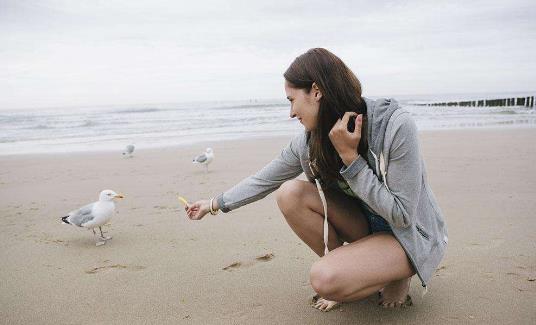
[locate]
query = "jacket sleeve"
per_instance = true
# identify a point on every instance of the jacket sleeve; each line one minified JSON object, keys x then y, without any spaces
{"x":255,"y":187}
{"x":397,"y":204}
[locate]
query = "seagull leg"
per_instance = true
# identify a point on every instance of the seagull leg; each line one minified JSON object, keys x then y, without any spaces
{"x":102,"y":235}
{"x":206,"y":168}
{"x":101,"y":241}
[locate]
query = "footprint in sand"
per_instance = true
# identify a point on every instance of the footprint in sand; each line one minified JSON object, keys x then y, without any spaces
{"x":440,"y":270}
{"x":52,"y":241}
{"x":248,"y":263}
{"x":115,"y":266}
{"x":243,"y":313}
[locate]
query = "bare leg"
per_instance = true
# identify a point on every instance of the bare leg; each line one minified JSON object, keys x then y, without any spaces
{"x":300,"y":203}
{"x":381,"y":259}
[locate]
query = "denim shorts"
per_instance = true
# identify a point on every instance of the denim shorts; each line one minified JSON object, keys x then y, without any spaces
{"x":376,"y":223}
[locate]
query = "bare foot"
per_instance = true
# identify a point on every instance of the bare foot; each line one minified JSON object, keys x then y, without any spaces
{"x":324,"y":304}
{"x":395,"y":294}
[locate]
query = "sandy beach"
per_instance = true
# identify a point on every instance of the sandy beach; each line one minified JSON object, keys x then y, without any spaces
{"x":162,"y":268}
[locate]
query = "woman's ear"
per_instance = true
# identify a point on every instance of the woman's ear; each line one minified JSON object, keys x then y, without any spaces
{"x":316,"y":92}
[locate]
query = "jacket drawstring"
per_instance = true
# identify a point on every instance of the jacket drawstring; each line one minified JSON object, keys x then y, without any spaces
{"x":325,"y":206}
{"x":381,"y":168}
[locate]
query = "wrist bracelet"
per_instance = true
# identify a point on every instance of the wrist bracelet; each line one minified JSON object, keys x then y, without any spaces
{"x":212,"y":211}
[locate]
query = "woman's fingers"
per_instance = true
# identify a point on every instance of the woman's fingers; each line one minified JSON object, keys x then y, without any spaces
{"x":191,"y":209}
{"x":341,"y":125}
{"x":197,"y":210}
{"x":358,"y":124}
{"x":346,"y":117}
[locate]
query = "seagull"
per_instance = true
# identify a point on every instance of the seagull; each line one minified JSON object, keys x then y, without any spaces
{"x":95,"y":214}
{"x":205,"y":158}
{"x":129,"y":150}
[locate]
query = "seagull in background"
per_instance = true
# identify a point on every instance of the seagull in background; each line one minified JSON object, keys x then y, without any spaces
{"x":205,"y":158}
{"x":95,"y":214}
{"x":129,"y":150}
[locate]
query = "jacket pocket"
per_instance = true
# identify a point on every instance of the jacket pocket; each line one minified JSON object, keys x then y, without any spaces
{"x":421,"y":231}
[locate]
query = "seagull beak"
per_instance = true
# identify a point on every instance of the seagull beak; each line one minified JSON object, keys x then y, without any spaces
{"x":119,"y":196}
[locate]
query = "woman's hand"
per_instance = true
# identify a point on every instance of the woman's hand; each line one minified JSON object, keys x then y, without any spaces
{"x":197,"y":210}
{"x":346,"y":143}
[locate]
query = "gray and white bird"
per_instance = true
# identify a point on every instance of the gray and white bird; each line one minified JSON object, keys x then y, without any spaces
{"x":129,"y":149}
{"x":94,"y":215}
{"x":205,"y":158}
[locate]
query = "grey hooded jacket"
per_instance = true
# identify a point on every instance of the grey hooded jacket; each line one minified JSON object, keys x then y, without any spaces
{"x":397,"y":189}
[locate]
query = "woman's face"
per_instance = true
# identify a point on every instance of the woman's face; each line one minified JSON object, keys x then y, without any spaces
{"x":303,"y":105}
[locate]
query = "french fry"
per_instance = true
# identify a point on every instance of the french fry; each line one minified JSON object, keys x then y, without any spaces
{"x":182,"y":200}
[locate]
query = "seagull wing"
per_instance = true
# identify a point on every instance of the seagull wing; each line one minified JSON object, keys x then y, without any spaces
{"x":82,"y":215}
{"x":200,"y":159}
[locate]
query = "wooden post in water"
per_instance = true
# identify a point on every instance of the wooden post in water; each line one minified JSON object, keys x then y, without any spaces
{"x":519,"y":101}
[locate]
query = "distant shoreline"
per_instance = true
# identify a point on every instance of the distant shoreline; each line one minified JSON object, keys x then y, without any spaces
{"x":207,"y":143}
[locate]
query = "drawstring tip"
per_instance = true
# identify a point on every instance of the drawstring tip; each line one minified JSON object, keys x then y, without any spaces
{"x":424,"y":291}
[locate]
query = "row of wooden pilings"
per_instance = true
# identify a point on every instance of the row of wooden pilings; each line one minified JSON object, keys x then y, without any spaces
{"x":519,"y":101}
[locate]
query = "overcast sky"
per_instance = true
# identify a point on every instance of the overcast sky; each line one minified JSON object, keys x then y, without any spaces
{"x":69,"y":53}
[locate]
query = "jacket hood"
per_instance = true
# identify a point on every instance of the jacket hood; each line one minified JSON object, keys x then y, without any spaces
{"x":379,"y":112}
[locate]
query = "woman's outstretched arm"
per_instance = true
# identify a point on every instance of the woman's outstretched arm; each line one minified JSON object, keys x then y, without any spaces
{"x":255,"y":187}
{"x":284,"y":167}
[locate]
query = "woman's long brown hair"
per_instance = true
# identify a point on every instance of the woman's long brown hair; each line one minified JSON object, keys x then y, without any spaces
{"x":341,"y":92}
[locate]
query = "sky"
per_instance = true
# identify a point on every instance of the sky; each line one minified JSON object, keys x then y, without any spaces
{"x":59,"y":53}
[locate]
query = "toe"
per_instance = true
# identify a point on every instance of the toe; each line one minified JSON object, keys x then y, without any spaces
{"x":397,"y":304}
{"x":324,"y":304}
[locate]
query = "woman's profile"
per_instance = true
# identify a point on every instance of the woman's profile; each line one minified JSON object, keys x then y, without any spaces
{"x":383,"y":222}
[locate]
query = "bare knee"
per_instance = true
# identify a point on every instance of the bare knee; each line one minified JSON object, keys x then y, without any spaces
{"x":323,"y":279}
{"x":289,"y":196}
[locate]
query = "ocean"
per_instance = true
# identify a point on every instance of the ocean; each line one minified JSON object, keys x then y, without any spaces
{"x":111,"y":128}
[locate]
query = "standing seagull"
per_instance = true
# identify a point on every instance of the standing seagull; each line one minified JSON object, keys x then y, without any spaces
{"x":129,"y":150}
{"x":95,"y":214}
{"x":205,"y":158}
